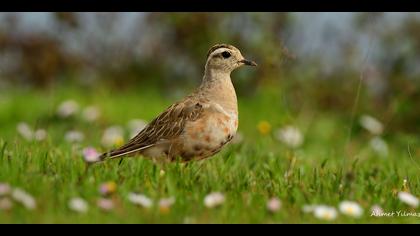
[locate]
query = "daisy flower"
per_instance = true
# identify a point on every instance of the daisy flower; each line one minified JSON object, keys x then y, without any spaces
{"x":264,"y":127}
{"x":19,"y":195}
{"x":40,"y":135}
{"x":371,"y":124}
{"x":165,"y":204}
{"x":140,"y":199}
{"x":67,"y":108}
{"x":90,"y":154}
{"x":325,"y":212}
{"x":113,"y":137}
{"x":91,"y":113}
{"x":108,"y":188}
{"x":105,"y":204}
{"x":78,"y":205}
{"x":214,"y":199}
{"x":74,"y":136}
{"x":379,"y":146}
{"x":25,"y":131}
{"x":408,"y":199}
{"x":350,"y":208}
{"x":290,"y":135}
{"x":273,"y":205}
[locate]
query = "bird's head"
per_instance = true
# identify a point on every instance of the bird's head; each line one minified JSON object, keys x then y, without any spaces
{"x":225,"y":58}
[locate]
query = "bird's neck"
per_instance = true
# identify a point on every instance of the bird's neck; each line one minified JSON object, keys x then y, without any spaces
{"x":218,"y":87}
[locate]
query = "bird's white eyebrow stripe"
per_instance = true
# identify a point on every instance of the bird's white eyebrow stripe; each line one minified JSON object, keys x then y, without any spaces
{"x":217,"y":47}
{"x":218,"y":51}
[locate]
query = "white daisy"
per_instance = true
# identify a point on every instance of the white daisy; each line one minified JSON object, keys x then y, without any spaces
{"x":379,"y":146}
{"x":408,"y":199}
{"x":91,"y":113}
{"x":214,"y":199}
{"x":290,"y":135}
{"x":67,"y":108}
{"x":140,"y":199}
{"x":25,"y":131}
{"x":351,"y":209}
{"x":78,"y":205}
{"x":113,"y":136}
{"x":24,"y":198}
{"x":74,"y":136}
{"x":166,"y":203}
{"x":371,"y":124}
{"x":325,"y":212}
{"x":40,"y":134}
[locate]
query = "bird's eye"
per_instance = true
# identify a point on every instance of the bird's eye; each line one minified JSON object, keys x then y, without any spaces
{"x":225,"y":54}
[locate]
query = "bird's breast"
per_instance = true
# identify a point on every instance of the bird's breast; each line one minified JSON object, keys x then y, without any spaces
{"x":206,"y":136}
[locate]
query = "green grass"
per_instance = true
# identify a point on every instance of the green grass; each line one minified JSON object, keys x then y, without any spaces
{"x":327,"y":169}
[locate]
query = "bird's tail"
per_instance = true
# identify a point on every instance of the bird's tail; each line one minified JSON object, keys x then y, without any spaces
{"x":105,"y":156}
{"x":121,"y":152}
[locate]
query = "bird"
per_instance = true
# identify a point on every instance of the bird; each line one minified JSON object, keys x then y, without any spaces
{"x":197,"y":126}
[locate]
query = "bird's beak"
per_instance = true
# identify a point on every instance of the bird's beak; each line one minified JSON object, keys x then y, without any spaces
{"x":248,"y":62}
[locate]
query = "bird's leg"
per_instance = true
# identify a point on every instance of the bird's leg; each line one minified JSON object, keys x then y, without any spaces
{"x":163,"y":163}
{"x":84,"y":174}
{"x":119,"y":163}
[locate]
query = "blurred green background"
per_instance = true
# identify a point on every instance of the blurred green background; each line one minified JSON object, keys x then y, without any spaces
{"x":316,"y":59}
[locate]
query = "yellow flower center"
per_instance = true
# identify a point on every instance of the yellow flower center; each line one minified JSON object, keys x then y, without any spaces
{"x":328,"y":215}
{"x":264,"y":127}
{"x":118,"y":141}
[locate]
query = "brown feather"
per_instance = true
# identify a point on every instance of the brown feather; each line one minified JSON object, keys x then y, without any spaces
{"x":166,"y":126}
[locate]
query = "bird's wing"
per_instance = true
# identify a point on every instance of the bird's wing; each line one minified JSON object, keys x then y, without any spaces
{"x":166,"y":126}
